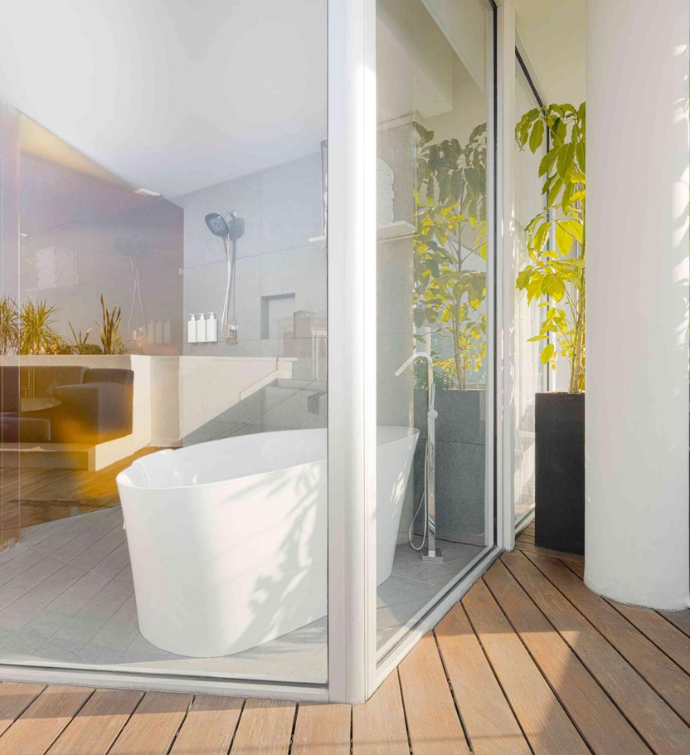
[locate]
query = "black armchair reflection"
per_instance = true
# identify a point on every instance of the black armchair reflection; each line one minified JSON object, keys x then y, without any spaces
{"x":88,"y":405}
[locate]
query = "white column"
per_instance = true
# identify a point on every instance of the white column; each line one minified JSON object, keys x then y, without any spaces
{"x":637,"y":539}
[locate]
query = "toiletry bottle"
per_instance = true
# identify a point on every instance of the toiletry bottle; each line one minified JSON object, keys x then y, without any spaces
{"x":211,"y":328}
{"x":166,"y":331}
{"x":151,"y":332}
{"x":159,"y":331}
{"x":201,"y":328}
{"x":191,"y":329}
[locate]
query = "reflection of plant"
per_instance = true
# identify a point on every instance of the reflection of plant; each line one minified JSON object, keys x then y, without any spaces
{"x":9,"y":326}
{"x":556,"y":276}
{"x":80,"y":342}
{"x":59,"y":346}
{"x":29,"y":330}
{"x":111,"y":340}
{"x":450,"y":248}
{"x":36,"y":333}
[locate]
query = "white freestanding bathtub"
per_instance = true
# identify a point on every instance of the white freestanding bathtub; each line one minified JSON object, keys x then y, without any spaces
{"x":228,"y":539}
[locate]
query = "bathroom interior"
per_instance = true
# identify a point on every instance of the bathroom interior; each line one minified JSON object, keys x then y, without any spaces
{"x":164,"y":332}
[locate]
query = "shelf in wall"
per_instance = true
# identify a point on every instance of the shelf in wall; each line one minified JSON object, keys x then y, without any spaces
{"x":400,"y":229}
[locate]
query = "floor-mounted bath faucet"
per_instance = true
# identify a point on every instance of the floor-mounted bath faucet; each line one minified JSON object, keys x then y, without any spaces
{"x":430,"y":552}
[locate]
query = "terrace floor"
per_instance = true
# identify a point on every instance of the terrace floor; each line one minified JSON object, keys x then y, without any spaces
{"x":530,"y":661}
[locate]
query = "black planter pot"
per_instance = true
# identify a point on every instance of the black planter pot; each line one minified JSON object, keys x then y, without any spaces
{"x":560,"y":472}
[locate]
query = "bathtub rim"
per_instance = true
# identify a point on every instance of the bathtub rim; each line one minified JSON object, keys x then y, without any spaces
{"x":123,"y":481}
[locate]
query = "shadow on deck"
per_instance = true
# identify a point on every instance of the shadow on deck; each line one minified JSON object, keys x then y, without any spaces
{"x":529,"y":661}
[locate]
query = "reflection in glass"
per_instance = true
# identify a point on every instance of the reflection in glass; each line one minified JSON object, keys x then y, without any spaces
{"x":163,"y":339}
{"x":434,"y":98}
{"x":529,"y":374}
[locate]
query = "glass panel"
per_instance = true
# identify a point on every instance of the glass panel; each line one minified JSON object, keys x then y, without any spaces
{"x":164,"y":250}
{"x":530,"y":375}
{"x":435,"y":94}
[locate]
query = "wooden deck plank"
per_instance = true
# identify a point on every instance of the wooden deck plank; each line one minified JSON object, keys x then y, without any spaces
{"x":265,"y":727}
{"x":670,"y":682}
{"x":576,"y":566}
{"x":544,"y":722}
{"x":43,"y":721}
{"x":657,"y":724}
{"x":15,"y":698}
{"x":491,"y":726}
{"x":209,"y":727}
{"x":322,"y":729}
{"x":153,"y":725}
{"x":378,"y":726}
{"x":597,"y":718}
{"x":659,"y":631}
{"x":96,"y":726}
{"x":530,"y":548}
{"x":679,"y":619}
{"x":432,"y":720}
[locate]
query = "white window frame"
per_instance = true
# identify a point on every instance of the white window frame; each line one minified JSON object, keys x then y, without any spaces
{"x":353,"y":673}
{"x":353,"y":670}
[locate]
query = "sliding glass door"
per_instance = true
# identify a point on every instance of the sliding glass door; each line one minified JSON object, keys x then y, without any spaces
{"x":530,"y":375}
{"x":435,"y":316}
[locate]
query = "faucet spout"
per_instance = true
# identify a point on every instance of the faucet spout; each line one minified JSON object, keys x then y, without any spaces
{"x":415,"y":356}
{"x":431,"y":400}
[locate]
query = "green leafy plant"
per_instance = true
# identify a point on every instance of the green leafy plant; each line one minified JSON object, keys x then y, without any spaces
{"x":9,"y":326}
{"x":80,"y":343}
{"x":555,"y":273}
{"x":36,"y":332}
{"x":450,"y":249}
{"x":111,"y":340}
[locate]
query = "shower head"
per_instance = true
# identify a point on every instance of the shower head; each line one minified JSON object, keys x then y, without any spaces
{"x":217,"y":225}
{"x":232,"y":228}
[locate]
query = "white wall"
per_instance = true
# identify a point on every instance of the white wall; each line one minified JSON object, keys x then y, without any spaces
{"x":282,"y":209}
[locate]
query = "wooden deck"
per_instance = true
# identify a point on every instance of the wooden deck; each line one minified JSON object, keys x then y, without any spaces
{"x":529,"y":662}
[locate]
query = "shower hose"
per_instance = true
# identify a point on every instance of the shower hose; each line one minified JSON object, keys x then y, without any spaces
{"x":420,"y":505}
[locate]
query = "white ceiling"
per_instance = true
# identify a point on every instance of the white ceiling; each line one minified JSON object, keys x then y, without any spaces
{"x":171,"y":95}
{"x":176,"y":95}
{"x":553,"y":34}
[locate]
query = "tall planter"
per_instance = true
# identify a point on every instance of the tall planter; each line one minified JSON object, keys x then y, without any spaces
{"x":560,"y":472}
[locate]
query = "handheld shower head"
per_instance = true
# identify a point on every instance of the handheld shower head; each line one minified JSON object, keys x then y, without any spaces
{"x":217,"y":225}
{"x":231,"y":229}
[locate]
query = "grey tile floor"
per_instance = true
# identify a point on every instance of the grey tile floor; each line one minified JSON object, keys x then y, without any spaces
{"x":67,"y":597}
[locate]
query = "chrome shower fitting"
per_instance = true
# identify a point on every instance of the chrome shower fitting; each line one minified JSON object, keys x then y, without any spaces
{"x":230,"y":230}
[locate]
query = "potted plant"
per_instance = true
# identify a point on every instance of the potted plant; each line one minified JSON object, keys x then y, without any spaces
{"x":450,"y":309}
{"x":450,"y":251}
{"x":555,"y":277}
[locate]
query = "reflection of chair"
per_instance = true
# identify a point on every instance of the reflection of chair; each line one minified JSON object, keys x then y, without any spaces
{"x":24,"y":430}
{"x":95,"y":410}
{"x":13,"y":427}
{"x":95,"y":404}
